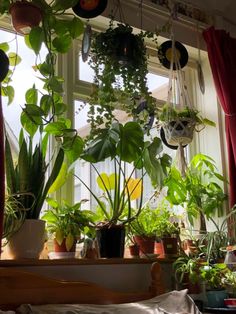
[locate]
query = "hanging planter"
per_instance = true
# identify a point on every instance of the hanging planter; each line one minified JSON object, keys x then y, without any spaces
{"x":25,"y":15}
{"x":180,"y":127}
{"x":178,"y":118}
{"x":119,"y":60}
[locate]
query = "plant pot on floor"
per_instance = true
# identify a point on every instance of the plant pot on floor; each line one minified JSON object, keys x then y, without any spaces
{"x":111,"y":241}
{"x":146,"y":244}
{"x":215,"y":298}
{"x":28,"y":241}
{"x":25,"y":15}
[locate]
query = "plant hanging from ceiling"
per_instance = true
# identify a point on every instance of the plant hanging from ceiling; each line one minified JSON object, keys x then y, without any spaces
{"x":119,"y":60}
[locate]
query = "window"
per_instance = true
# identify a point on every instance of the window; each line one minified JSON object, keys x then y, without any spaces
{"x":157,"y":84}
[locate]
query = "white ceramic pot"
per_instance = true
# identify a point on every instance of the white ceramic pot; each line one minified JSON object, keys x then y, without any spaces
{"x":28,"y":242}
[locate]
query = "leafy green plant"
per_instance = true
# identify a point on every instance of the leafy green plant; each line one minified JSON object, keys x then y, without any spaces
{"x":14,"y":216}
{"x":146,"y":224}
{"x":170,"y":113}
{"x":214,"y":276}
{"x":26,"y":179}
{"x":186,"y":266}
{"x":124,"y":144}
{"x":14,"y":59}
{"x":67,"y":222}
{"x":217,"y":240}
{"x":119,"y":60}
{"x":199,"y":191}
{"x":45,"y":109}
{"x":230,"y":283}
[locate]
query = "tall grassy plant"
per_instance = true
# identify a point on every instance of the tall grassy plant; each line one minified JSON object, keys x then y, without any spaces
{"x":26,"y":179}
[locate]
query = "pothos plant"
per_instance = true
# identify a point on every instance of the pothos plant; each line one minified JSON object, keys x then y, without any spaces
{"x":119,"y":60}
{"x":124,"y":144}
{"x":44,"y":110}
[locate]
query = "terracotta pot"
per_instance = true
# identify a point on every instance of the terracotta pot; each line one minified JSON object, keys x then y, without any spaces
{"x":59,"y":248}
{"x":111,"y":241}
{"x":146,"y":244}
{"x":134,"y":250}
{"x":159,"y":248}
{"x":28,"y":241}
{"x":170,"y":246}
{"x":25,"y":15}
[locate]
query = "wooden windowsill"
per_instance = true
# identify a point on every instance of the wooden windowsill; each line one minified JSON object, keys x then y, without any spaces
{"x":80,"y":261}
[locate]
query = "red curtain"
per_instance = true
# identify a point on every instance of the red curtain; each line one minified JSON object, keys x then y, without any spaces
{"x":2,"y":171}
{"x":222,"y":56}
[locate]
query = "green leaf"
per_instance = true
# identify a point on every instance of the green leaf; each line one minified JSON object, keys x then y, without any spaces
{"x":156,"y":165}
{"x":14,"y":59}
{"x":4,"y":46}
{"x":31,"y":96}
{"x":103,"y":146}
{"x":30,"y":124}
{"x":55,"y":128}
{"x":60,"y":108}
{"x":131,"y":142}
{"x":9,"y":92}
{"x":55,"y":84}
{"x":75,"y":150}
{"x":36,"y":37}
{"x":62,"y":44}
{"x":60,"y":180}
{"x":33,"y":111}
{"x":46,"y":103}
{"x":76,"y":28}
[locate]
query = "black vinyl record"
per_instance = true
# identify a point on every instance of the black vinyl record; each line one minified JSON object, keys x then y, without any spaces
{"x":4,"y":65}
{"x":89,"y":8}
{"x":165,"y":54}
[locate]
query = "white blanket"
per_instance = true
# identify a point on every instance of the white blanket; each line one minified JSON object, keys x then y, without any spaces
{"x":174,"y":302}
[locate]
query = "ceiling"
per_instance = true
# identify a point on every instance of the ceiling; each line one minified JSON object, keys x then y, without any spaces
{"x":225,"y":8}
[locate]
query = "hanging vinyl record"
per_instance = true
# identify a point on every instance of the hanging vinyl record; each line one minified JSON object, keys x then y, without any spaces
{"x":86,"y":42}
{"x":165,"y":52}
{"x":89,"y":8}
{"x":4,"y":65}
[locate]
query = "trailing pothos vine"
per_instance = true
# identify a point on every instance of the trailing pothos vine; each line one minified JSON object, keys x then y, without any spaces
{"x":119,"y":60}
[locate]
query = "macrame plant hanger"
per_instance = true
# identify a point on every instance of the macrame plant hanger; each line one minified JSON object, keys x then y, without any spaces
{"x":178,"y":128}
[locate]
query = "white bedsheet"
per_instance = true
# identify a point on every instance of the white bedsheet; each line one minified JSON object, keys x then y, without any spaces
{"x":174,"y":302}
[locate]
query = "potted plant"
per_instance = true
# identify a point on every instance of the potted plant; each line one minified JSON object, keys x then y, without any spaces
{"x":199,"y":192}
{"x":213,"y":277}
{"x":186,"y":269}
{"x":122,"y":77}
{"x":144,"y":229}
{"x":27,"y":183}
{"x":179,"y":124}
{"x":168,"y":231}
{"x":123,"y":144}
{"x":25,"y":15}
{"x":66,"y":223}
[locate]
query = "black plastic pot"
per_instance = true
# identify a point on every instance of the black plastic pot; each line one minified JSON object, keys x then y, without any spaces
{"x":111,"y":241}
{"x":126,"y":48}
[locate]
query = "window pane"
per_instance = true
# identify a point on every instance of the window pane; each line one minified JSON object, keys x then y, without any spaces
{"x":23,"y":78}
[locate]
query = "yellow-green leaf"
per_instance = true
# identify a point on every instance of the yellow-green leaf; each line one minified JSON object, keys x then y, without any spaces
{"x":60,"y":179}
{"x":59,"y":236}
{"x":69,"y":241}
{"x":106,"y":182}
{"x":134,"y":187}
